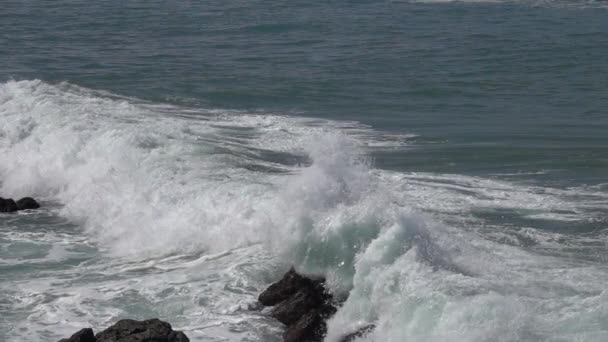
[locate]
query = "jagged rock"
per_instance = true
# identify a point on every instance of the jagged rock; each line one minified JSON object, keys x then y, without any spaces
{"x":8,"y":205}
{"x":27,"y":203}
{"x":128,"y":330}
{"x":290,"y":310}
{"x":359,"y":333}
{"x":283,"y":289}
{"x":310,"y":327}
{"x":302,"y":304}
{"x":178,"y":336}
{"x":84,"y":335}
{"x":152,"y":330}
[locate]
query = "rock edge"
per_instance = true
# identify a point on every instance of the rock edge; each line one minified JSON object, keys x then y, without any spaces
{"x":304,"y":306}
{"x":8,"y":205}
{"x":128,"y":330}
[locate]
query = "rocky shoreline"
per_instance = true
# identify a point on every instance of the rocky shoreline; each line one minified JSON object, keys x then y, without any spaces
{"x":301,"y":303}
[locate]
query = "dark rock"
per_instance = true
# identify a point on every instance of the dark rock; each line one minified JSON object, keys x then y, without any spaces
{"x":27,"y":203}
{"x":291,"y":309}
{"x":152,"y":330}
{"x":178,"y":336}
{"x":302,"y":304}
{"x":128,"y":330}
{"x":8,"y":205}
{"x":84,"y":335}
{"x":283,"y":289}
{"x":359,"y":333}
{"x":310,"y":327}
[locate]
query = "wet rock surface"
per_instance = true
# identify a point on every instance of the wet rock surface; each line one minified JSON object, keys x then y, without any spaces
{"x":291,"y":283}
{"x":8,"y":205}
{"x":84,"y":335}
{"x":128,"y":330}
{"x":291,"y":309}
{"x":304,"y":306}
{"x":27,"y":203}
{"x":309,"y":327}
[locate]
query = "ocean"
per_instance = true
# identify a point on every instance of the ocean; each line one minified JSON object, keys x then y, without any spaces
{"x":443,"y":164}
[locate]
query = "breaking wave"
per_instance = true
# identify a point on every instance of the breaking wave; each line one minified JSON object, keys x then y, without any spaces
{"x":168,"y":188}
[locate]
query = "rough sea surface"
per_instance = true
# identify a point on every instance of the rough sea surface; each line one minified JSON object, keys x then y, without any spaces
{"x":443,"y":164}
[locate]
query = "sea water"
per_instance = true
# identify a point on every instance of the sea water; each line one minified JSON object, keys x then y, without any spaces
{"x":443,"y":165}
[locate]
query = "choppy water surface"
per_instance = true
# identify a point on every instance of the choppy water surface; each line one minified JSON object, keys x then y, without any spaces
{"x":442,"y":163}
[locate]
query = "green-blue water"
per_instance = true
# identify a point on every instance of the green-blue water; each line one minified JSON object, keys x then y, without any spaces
{"x":168,"y":138}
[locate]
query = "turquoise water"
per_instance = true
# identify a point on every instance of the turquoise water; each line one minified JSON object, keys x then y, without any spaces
{"x":187,"y":153}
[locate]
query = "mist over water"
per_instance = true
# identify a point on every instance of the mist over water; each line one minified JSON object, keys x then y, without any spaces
{"x":443,"y":165}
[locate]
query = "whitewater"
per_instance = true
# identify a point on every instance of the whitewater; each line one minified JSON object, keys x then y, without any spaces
{"x":186,"y":214}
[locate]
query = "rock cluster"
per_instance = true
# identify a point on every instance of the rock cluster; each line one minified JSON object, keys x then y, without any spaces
{"x":128,"y":330}
{"x":302,"y":304}
{"x":9,"y":205}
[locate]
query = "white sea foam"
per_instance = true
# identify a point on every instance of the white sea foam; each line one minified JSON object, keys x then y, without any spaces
{"x":192,"y":210}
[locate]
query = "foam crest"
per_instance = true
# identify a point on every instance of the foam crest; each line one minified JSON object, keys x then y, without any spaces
{"x":338,"y":173}
{"x":135,"y":178}
{"x":147,"y":178}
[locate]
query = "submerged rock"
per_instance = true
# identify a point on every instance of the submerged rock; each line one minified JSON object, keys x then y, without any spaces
{"x":128,"y":330}
{"x":27,"y":203}
{"x":8,"y":205}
